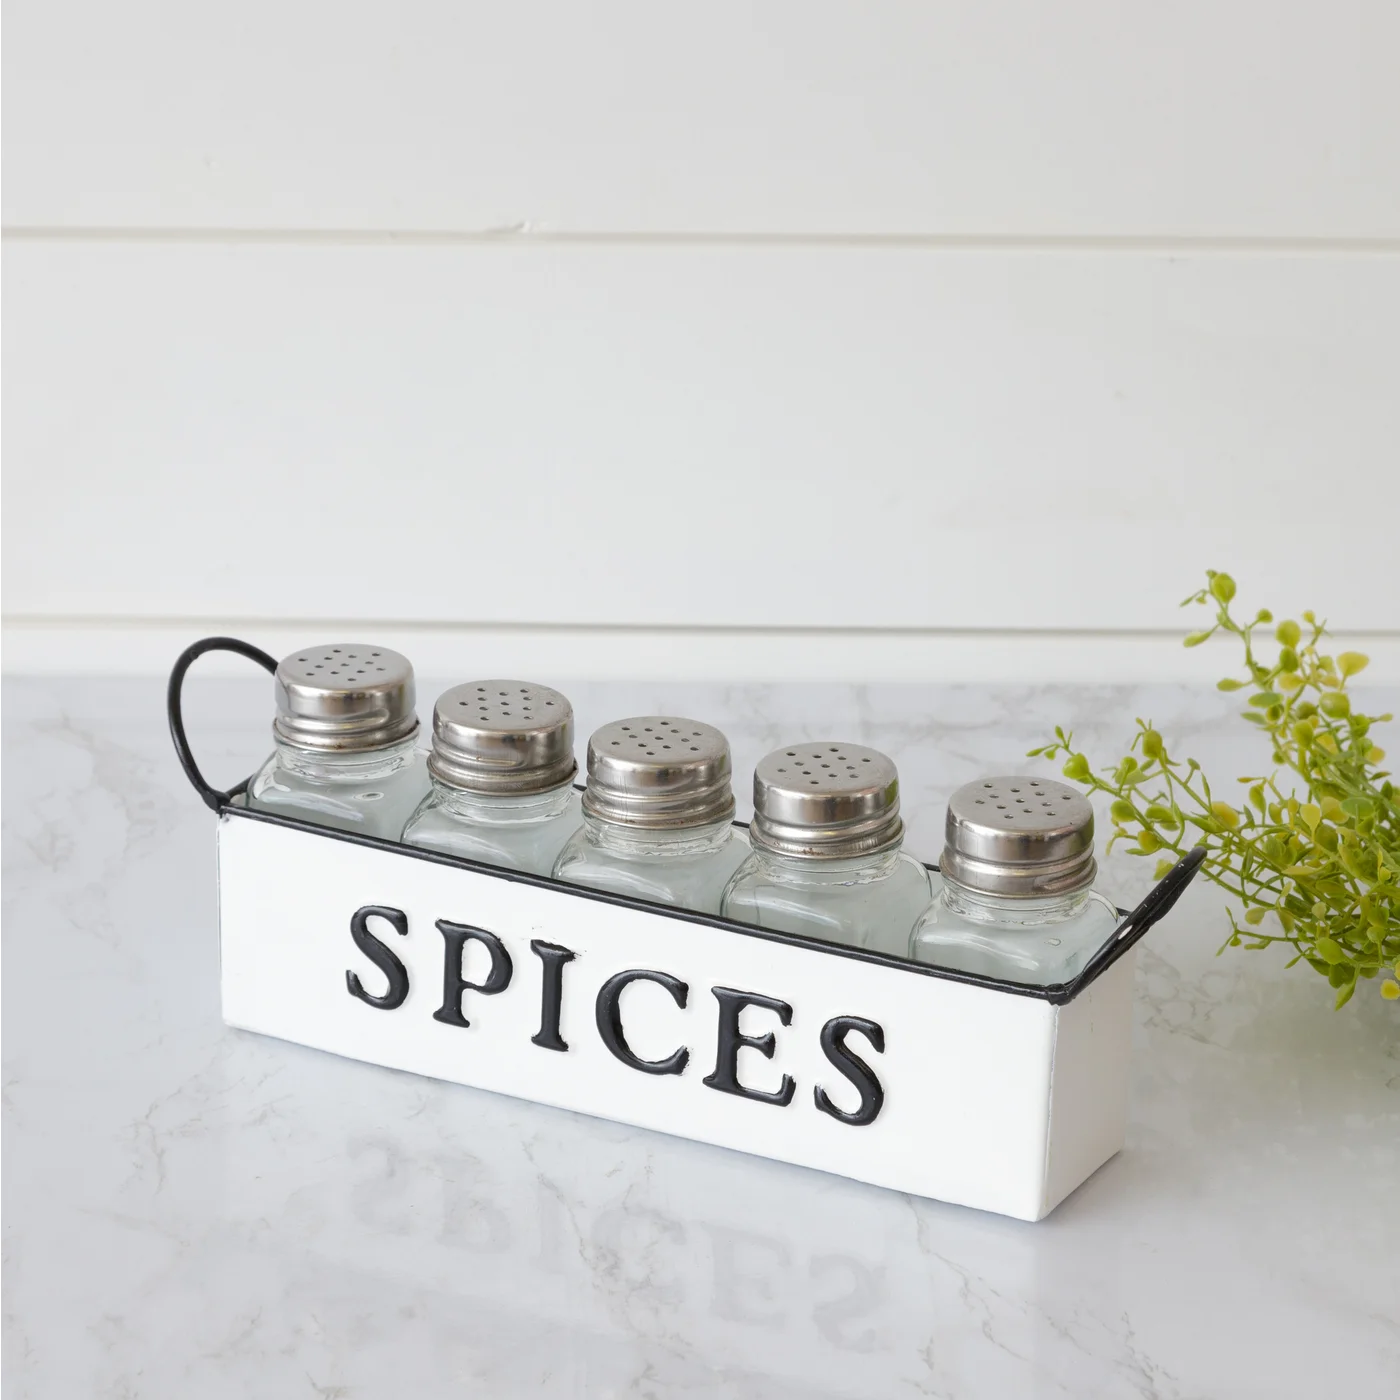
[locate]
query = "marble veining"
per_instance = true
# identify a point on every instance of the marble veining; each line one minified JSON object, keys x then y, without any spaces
{"x":191,"y":1210}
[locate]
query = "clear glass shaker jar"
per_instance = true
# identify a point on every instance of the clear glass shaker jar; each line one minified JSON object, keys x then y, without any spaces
{"x":344,"y":735}
{"x":658,"y":814}
{"x":826,"y":858}
{"x":502,"y":770}
{"x":1015,"y":899}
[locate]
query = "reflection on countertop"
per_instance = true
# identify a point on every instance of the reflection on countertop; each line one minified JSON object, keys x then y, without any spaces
{"x":197,"y":1211}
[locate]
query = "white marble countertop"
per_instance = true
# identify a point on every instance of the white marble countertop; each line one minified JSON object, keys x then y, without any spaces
{"x":194,"y":1211}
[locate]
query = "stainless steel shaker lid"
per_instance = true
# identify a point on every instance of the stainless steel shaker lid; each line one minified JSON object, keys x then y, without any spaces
{"x":658,"y":772}
{"x":503,"y":737}
{"x":1019,"y":837}
{"x":826,"y":801}
{"x":344,"y":698}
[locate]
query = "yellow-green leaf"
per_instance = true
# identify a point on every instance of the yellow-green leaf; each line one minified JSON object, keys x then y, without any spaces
{"x":1288,"y":633}
{"x":1390,"y":990}
{"x":1350,"y":662}
{"x":1330,"y":950}
{"x":1225,"y":814}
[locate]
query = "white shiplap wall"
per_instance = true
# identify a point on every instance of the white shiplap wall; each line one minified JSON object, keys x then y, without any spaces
{"x":770,"y":340}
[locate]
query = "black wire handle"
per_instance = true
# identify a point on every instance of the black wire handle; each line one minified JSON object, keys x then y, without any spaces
{"x":211,"y":796}
{"x":1157,"y":905}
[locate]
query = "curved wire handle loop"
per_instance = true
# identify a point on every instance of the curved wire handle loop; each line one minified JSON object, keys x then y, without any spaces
{"x":211,"y":796}
{"x":1155,"y":906}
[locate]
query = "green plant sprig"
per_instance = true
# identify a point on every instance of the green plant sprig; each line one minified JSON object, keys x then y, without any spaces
{"x":1325,"y":872}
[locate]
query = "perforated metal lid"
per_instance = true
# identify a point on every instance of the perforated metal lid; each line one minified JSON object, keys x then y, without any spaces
{"x":1020,"y":837}
{"x":657,"y":771}
{"x":826,"y":801}
{"x":503,"y":737}
{"x":346,"y":697}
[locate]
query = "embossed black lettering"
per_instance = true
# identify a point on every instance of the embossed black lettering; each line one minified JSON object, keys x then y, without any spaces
{"x":731,"y":1040}
{"x":455,"y":938}
{"x":834,"y":1047}
{"x":382,"y":956}
{"x":609,"y":1018}
{"x":553,"y":958}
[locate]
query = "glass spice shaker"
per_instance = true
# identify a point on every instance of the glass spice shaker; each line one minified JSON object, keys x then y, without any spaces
{"x":657,"y":814}
{"x":344,"y":734}
{"x":826,"y":859}
{"x":502,"y":770}
{"x":1016,"y":898}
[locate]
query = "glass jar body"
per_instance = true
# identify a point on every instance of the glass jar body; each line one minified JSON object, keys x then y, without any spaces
{"x":515,"y":831}
{"x":1039,"y":941}
{"x":687,"y":867}
{"x":869,"y":902}
{"x":372,"y":793}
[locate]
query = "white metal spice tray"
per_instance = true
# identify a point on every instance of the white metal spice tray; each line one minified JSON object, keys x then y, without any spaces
{"x":944,"y":1084}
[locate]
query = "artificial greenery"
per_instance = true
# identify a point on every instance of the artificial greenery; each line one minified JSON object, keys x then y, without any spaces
{"x":1313,"y":852}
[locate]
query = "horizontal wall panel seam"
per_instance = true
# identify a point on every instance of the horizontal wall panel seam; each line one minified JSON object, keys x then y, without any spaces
{"x":62,"y":621}
{"x":543,"y":238}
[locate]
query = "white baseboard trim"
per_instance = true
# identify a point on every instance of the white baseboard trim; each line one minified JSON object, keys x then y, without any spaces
{"x":58,"y":647}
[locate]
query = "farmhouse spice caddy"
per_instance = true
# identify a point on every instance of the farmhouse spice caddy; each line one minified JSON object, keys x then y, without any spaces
{"x":979,"y":1090}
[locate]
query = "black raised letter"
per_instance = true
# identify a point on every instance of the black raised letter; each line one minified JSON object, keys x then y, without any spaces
{"x":872,"y":1096}
{"x":455,"y":938}
{"x":731,"y":1041}
{"x":385,"y":959}
{"x":609,"y":1017}
{"x":551,"y":993}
